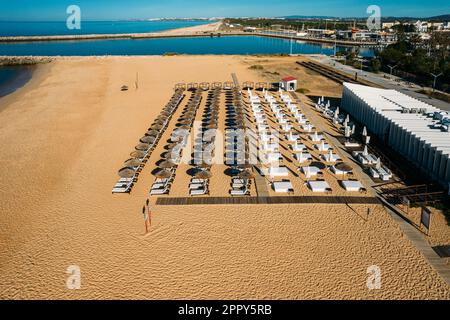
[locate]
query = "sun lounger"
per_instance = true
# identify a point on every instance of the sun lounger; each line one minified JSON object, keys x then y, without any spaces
{"x":298,"y":147}
{"x":303,"y":157}
{"x":199,"y":192}
{"x":278,"y":172}
{"x":160,"y":191}
{"x":240,"y":192}
{"x":322,"y":147}
{"x":331,"y":158}
{"x":198,"y":180}
{"x":283,"y":187}
{"x":319,"y":186}
{"x":310,"y":171}
{"x":195,"y":186}
{"x":352,"y":186}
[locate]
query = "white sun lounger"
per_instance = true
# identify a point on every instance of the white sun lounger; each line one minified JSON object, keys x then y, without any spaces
{"x":303,"y":157}
{"x":123,"y":189}
{"x":352,"y":186}
{"x":278,"y":172}
{"x":317,"y":138}
{"x":160,"y":191}
{"x":324,"y":147}
{"x":241,"y":192}
{"x":319,"y":186}
{"x":296,"y":147}
{"x":283,"y":187}
{"x":331,"y":158}
{"x":195,"y":186}
{"x":199,"y":192}
{"x":311,"y":171}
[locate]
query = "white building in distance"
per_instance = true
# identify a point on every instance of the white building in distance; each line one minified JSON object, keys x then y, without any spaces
{"x":414,"y":129}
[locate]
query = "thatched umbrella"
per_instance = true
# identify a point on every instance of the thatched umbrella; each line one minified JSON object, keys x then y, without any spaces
{"x":159,"y":121}
{"x":147,"y":139}
{"x":345,"y":167}
{"x":132,"y":163}
{"x":142,"y":147}
{"x":204,"y":165}
{"x":245,"y":165}
{"x":246,"y":174}
{"x":156,"y":126}
{"x":162,"y":174}
{"x":174,"y":145}
{"x":318,"y":164}
{"x":151,"y":132}
{"x":138,"y":154}
{"x":167,"y":164}
{"x":204,"y":174}
{"x":165,"y":113}
{"x":126,"y":173}
{"x":185,"y":122}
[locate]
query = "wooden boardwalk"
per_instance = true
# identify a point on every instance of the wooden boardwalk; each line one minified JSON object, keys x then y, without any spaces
{"x":168,"y":201}
{"x":235,"y":80}
{"x":261,"y":185}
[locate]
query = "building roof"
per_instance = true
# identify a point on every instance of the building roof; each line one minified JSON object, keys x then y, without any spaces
{"x":391,"y":104}
{"x":288,"y":79}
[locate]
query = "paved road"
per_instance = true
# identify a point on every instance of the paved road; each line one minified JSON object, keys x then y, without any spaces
{"x":378,"y":79}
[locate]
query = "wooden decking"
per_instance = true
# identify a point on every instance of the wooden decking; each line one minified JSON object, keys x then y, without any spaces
{"x":168,"y":201}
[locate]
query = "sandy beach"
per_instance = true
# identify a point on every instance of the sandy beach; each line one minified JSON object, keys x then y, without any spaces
{"x":67,"y":132}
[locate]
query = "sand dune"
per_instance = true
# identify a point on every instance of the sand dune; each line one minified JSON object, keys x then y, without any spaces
{"x":63,"y":137}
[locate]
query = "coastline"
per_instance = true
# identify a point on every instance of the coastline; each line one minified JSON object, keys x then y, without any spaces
{"x":57,"y":209}
{"x":207,"y":30}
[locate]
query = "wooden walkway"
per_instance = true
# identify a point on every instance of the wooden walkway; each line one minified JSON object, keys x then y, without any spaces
{"x":261,"y":185}
{"x":265,"y":200}
{"x":235,"y":80}
{"x":420,"y":242}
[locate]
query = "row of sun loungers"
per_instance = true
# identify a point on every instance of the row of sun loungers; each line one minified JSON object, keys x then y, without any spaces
{"x":147,"y":144}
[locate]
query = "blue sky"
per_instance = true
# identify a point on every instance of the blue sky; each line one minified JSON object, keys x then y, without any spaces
{"x":45,"y":10}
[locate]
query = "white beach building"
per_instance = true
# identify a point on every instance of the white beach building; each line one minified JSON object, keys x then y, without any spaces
{"x":405,"y":124}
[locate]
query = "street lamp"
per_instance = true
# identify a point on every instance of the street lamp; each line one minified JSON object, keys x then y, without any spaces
{"x":435,"y":77}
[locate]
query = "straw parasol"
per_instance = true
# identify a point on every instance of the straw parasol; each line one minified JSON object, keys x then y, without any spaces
{"x":138,"y":154}
{"x":345,"y":167}
{"x":151,"y":132}
{"x":159,"y":121}
{"x":167,"y":164}
{"x":204,"y":165}
{"x":126,"y":173}
{"x":147,"y":139}
{"x":156,"y":126}
{"x":203,"y":174}
{"x":185,"y":122}
{"x":142,"y":147}
{"x":173,"y":145}
{"x":246,"y":174}
{"x":162,"y":174}
{"x":132,"y":163}
{"x":318,"y":164}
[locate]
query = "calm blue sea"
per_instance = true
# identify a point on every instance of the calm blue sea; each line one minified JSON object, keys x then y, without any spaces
{"x":206,"y":45}
{"x":13,"y":78}
{"x":91,"y":27}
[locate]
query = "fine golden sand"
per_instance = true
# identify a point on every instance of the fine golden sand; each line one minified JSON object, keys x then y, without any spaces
{"x":65,"y":135}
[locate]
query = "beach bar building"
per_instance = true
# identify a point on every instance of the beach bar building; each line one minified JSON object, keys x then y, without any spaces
{"x":288,"y":84}
{"x":405,"y":124}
